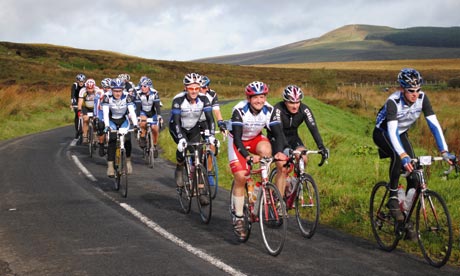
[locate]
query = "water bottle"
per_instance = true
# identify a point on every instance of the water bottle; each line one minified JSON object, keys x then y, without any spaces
{"x":401,"y":197}
{"x":409,"y":199}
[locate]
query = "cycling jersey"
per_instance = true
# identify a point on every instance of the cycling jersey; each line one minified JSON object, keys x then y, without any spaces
{"x":148,"y":103}
{"x":396,"y":117}
{"x":185,"y":115}
{"x":88,"y":97}
{"x":290,"y":124}
{"x":74,"y":92}
{"x":246,"y":125}
{"x":117,"y":109}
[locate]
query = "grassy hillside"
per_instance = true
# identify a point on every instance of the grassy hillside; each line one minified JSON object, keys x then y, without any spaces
{"x":358,"y":43}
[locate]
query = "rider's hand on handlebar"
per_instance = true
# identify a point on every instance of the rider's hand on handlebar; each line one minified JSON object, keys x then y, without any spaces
{"x":448,"y":157}
{"x":213,"y":141}
{"x":182,"y":145}
{"x":222,"y":126}
{"x":106,"y":129}
{"x":407,"y":163}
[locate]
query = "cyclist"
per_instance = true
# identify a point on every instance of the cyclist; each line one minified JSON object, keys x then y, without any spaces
{"x":129,"y":86}
{"x":86,"y":99}
{"x":74,"y":92}
{"x":148,"y":104}
{"x":213,"y":99}
{"x":116,"y":108}
{"x":186,"y":110}
{"x":99,"y":114}
{"x":398,"y":114}
{"x":249,"y":118}
{"x":293,"y":113}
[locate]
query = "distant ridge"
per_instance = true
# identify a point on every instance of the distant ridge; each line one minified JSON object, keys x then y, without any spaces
{"x":358,"y":43}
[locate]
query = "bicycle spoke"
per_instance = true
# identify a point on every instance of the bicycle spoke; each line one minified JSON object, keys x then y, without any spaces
{"x":383,"y":225}
{"x":272,"y":219}
{"x":434,"y":228}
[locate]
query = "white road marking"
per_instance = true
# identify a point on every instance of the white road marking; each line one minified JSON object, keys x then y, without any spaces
{"x":83,"y":168}
{"x":160,"y":230}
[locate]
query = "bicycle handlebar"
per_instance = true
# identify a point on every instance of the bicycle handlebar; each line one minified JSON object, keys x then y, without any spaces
{"x":306,"y":152}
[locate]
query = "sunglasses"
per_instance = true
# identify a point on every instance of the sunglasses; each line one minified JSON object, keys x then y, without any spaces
{"x":193,"y":89}
{"x":145,"y":86}
{"x":413,"y":90}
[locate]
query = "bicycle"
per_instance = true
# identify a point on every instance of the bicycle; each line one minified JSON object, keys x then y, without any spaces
{"x":149,"y":149}
{"x":121,"y":171}
{"x":92,"y":141}
{"x":433,"y":225}
{"x":196,"y":182}
{"x":210,"y":161}
{"x":303,"y":196}
{"x":268,"y":209}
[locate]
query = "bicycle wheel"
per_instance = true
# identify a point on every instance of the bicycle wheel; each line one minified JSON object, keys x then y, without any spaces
{"x":117,"y":167}
{"x":272,"y":219}
{"x":90,"y":139}
{"x":151,"y":148}
{"x":210,"y":162}
{"x":123,"y":175}
{"x":307,"y":206}
{"x":203,"y":192}
{"x":246,"y":214}
{"x":382,"y":223}
{"x":185,"y":192}
{"x":434,"y":228}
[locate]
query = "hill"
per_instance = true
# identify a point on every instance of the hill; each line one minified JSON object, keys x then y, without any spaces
{"x":358,"y":43}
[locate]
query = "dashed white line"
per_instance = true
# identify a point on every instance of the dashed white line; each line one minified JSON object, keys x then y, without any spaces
{"x":160,"y":230}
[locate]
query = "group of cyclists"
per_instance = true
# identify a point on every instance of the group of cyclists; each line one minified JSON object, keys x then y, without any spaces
{"x":117,"y":105}
{"x":194,"y":110}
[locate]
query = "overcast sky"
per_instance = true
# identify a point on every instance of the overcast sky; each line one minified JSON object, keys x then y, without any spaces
{"x":187,"y":30}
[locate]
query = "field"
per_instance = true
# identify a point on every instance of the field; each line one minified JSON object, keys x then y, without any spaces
{"x":35,"y":92}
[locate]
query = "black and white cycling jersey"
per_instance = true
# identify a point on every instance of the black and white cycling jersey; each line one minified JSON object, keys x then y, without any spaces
{"x":396,"y":117}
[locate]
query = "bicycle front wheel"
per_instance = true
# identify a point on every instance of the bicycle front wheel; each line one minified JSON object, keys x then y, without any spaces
{"x":203,"y":192}
{"x":382,"y":223}
{"x":185,"y":191}
{"x":434,"y":228}
{"x":151,"y":157}
{"x":307,"y":206}
{"x":210,"y":162}
{"x":123,"y":175}
{"x":272,"y":219}
{"x":90,"y":139}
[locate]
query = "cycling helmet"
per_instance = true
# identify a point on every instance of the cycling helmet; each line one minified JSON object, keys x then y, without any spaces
{"x":205,"y":81}
{"x":192,"y":78}
{"x":80,"y":77}
{"x":292,"y":93}
{"x":142,"y":79}
{"x":106,"y":82}
{"x":90,"y":83}
{"x":127,"y":77}
{"x":409,"y":78}
{"x":117,"y":83}
{"x":147,"y":82}
{"x":256,"y":88}
{"x":122,"y":76}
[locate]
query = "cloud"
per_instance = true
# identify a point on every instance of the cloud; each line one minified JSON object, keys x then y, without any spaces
{"x":185,"y":30}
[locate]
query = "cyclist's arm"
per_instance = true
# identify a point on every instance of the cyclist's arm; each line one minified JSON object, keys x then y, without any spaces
{"x":131,"y":110}
{"x":434,"y":125}
{"x":73,"y":97}
{"x":237,"y":132}
{"x":393,"y":129}
{"x":310,"y":121}
{"x":176,"y":119}
{"x":106,"y":111}
{"x":156,"y":104}
{"x":275,"y":127}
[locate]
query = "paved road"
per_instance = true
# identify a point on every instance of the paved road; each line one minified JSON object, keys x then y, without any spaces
{"x":54,"y":220}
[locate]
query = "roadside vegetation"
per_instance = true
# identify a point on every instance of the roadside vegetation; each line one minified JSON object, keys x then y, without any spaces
{"x":35,"y":96}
